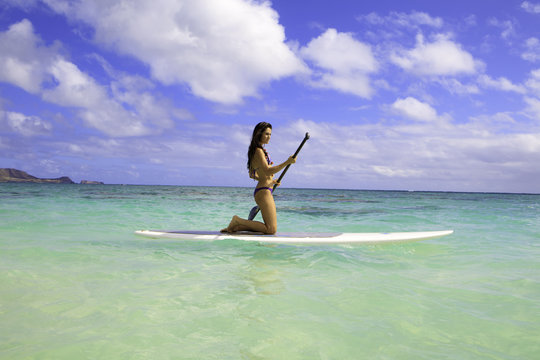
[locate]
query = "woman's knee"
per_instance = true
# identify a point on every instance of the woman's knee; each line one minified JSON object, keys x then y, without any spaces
{"x":271,"y":229}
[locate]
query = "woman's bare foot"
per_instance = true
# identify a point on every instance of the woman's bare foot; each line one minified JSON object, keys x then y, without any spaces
{"x":233,"y":225}
{"x":227,"y":229}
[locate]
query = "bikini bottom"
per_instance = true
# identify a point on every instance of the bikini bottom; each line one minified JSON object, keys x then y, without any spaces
{"x":263,"y":188}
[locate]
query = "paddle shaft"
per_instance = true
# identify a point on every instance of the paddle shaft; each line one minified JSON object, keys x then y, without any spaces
{"x":294,"y":156}
{"x":256,"y":209}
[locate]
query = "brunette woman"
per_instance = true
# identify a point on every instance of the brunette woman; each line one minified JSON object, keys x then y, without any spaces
{"x":262,"y":170}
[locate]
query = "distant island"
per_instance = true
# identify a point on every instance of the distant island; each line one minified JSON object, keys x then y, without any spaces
{"x":90,"y":182}
{"x":19,"y":176}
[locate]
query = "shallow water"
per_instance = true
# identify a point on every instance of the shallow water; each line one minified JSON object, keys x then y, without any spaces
{"x":76,"y":283}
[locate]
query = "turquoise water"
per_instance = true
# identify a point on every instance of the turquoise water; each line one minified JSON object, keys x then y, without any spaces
{"x":75,"y":283}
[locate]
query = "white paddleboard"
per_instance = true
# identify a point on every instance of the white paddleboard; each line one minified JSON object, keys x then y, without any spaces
{"x":298,"y":238}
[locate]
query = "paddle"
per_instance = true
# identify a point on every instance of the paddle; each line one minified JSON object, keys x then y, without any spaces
{"x":255,"y":210}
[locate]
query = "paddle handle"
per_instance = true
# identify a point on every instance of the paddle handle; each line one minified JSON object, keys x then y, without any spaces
{"x":294,"y":156}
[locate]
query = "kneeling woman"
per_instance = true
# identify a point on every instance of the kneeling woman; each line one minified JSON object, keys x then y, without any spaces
{"x":261,"y":169}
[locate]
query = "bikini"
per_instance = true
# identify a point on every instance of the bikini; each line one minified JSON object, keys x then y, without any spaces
{"x":263,"y":188}
{"x":253,"y":173}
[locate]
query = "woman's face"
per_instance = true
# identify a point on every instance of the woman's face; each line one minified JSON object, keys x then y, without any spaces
{"x":265,"y":137}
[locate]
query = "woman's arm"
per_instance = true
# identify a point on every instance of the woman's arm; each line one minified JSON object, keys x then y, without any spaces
{"x":267,"y":170}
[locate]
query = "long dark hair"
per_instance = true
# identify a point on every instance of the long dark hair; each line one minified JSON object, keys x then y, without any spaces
{"x":260,"y":128}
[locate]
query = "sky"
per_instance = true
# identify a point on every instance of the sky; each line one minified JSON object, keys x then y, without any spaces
{"x":396,"y":95}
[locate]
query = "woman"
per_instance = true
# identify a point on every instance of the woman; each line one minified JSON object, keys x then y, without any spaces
{"x":260,"y":168}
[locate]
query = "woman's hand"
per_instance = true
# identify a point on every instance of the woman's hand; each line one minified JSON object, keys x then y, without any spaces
{"x":291,"y":160}
{"x":275,"y":182}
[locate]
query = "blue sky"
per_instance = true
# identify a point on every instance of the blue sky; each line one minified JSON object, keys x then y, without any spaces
{"x":406,"y":95}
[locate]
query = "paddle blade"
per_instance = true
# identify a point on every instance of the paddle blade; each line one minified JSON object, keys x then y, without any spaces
{"x":253,"y":213}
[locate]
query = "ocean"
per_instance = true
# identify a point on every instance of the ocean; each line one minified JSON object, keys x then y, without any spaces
{"x":76,"y":283}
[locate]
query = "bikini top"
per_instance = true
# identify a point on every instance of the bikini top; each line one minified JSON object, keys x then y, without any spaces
{"x":268,"y":160}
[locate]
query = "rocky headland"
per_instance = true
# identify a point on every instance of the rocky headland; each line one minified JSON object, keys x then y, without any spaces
{"x":19,"y":176}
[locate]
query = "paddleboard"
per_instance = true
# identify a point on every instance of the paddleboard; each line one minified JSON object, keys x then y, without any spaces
{"x":296,"y":237}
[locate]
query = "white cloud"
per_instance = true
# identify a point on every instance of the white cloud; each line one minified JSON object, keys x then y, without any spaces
{"x":530,"y":7}
{"x":498,"y":123}
{"x":23,"y":57}
{"x":533,"y":82}
{"x":507,"y":27}
{"x":97,"y":108}
{"x":50,"y":166}
{"x":415,"y":109}
{"x":24,"y":124}
{"x":454,"y":86}
{"x":389,"y":172}
{"x":440,"y":57}
{"x":224,"y":50}
{"x":75,"y":88}
{"x":423,"y":155}
{"x":23,"y":4}
{"x":340,"y":52}
{"x":27,"y":63}
{"x":413,"y":19}
{"x":345,"y":62}
{"x":418,"y":18}
{"x":196,"y":148}
{"x":533,"y":107}
{"x":532,"y":50}
{"x":501,"y":83}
